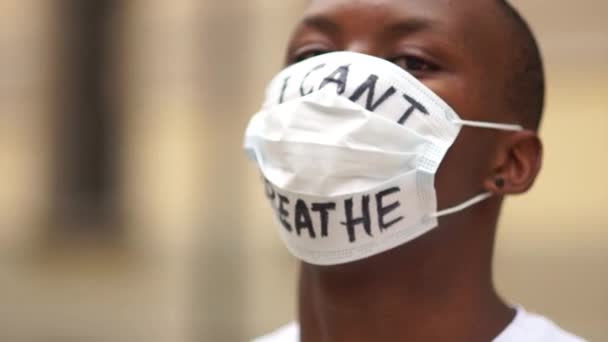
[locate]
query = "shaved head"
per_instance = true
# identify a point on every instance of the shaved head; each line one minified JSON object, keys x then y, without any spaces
{"x":525,"y":87}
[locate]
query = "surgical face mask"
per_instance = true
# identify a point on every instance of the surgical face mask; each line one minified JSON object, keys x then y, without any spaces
{"x":349,"y":145}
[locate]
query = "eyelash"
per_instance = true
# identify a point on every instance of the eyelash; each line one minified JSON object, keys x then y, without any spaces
{"x":304,"y":55}
{"x":415,"y":65}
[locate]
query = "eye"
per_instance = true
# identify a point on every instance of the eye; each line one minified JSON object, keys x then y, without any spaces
{"x":415,"y":65}
{"x":302,"y":55}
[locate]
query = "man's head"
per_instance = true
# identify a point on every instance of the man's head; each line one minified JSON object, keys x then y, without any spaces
{"x":478,"y":55}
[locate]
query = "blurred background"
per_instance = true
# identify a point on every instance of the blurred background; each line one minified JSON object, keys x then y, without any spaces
{"x":128,"y":211}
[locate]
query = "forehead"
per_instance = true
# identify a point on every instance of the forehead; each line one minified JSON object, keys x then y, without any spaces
{"x":465,"y":23}
{"x":379,"y":13}
{"x":381,"y":6}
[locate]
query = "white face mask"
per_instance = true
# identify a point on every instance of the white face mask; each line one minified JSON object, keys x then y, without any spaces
{"x":349,"y":145}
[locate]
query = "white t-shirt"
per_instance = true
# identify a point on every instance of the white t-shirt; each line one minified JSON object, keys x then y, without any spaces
{"x":526,"y":327}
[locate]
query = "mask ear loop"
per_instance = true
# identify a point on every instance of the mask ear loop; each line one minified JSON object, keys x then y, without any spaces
{"x":463,"y":206}
{"x":485,"y":196}
{"x":491,"y":125}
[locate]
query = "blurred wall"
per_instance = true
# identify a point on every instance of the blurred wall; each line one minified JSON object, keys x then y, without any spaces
{"x":187,"y":250}
{"x":89,"y":254}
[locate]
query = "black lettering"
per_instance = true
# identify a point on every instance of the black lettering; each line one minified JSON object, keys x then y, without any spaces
{"x":339,"y":77}
{"x":285,"y":83}
{"x":370,"y":86}
{"x":283,"y":213}
{"x":303,"y":219}
{"x":352,"y":222}
{"x":415,"y":105}
{"x":323,"y":210}
{"x":385,"y":210}
{"x":302,"y":91}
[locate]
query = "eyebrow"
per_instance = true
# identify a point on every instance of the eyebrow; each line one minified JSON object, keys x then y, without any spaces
{"x":321,"y":23}
{"x":412,"y":25}
{"x":402,"y":27}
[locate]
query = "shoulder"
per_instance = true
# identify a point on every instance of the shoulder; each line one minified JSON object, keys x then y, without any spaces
{"x":288,"y":333}
{"x":530,"y":327}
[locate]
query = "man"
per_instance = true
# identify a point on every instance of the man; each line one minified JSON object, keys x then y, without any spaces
{"x":479,"y":57}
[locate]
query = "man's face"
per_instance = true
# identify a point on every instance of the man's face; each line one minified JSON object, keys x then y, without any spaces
{"x":453,"y":47}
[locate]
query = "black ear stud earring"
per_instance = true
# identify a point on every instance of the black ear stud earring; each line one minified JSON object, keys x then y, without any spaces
{"x":500,"y":182}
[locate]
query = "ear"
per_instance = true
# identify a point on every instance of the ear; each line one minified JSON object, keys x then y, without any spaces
{"x":518,"y":161}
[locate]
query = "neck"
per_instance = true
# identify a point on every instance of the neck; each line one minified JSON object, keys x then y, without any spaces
{"x":436,"y":288}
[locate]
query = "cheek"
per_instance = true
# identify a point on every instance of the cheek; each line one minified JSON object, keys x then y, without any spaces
{"x":465,"y":167}
{"x":463,"y":91}
{"x":454,"y":90}
{"x":469,"y":161}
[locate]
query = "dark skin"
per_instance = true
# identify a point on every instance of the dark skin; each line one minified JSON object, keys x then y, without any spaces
{"x":438,"y":287}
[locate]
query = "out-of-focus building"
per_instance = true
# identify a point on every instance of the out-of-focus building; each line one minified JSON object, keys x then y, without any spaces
{"x":128,"y":211}
{"x":100,"y":174}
